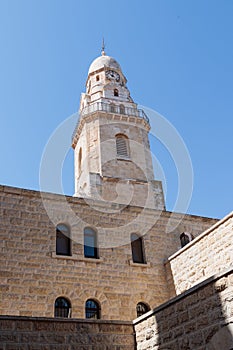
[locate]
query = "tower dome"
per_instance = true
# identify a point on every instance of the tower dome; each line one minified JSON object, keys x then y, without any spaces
{"x":104,"y":61}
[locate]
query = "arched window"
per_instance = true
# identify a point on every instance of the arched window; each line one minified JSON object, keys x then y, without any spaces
{"x":137,"y":249}
{"x":90,"y":243}
{"x":92,"y":309}
{"x":185,"y":238}
{"x":63,"y":245}
{"x":97,"y":78}
{"x":62,"y":307}
{"x":141,"y":309}
{"x":122,"y":109}
{"x":80,"y":161}
{"x":112,"y":108}
{"x":122,"y":146}
{"x":116,"y":92}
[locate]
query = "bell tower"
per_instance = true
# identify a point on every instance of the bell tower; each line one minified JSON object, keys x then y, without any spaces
{"x":112,"y":154}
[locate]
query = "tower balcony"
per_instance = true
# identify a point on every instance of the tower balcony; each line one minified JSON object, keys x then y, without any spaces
{"x":115,"y":109}
{"x":109,"y":108}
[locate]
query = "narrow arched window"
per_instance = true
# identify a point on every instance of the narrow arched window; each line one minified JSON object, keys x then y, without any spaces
{"x":79,"y":161}
{"x":141,"y":309}
{"x":92,"y":309}
{"x":122,"y":146}
{"x":97,"y":78}
{"x":62,"y":307}
{"x":112,"y":108}
{"x":116,"y":92}
{"x":90,"y":243}
{"x":63,"y":244}
{"x":185,"y":238}
{"x":137,"y":249}
{"x":122,"y":109}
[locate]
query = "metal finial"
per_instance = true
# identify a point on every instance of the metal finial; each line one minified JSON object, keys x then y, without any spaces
{"x":103,"y":48}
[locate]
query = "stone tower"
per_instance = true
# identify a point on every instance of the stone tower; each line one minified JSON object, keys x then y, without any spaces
{"x":112,"y":152}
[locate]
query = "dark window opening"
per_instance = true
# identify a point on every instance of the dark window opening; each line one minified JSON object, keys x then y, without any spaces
{"x":97,"y":78}
{"x":112,"y":108}
{"x":62,"y":307}
{"x":184,"y":239}
{"x":79,"y":161}
{"x":116,"y":92}
{"x":122,"y":109}
{"x":142,"y":309}
{"x":63,"y":245}
{"x":90,"y":243}
{"x":137,"y":249}
{"x":92,"y":309}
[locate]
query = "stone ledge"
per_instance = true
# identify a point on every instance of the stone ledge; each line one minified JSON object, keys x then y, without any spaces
{"x":83,"y":201}
{"x":65,"y":320}
{"x":131,"y":263}
{"x":76,"y":258}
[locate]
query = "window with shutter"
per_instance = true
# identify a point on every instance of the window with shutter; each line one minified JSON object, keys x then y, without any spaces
{"x":122,"y":147}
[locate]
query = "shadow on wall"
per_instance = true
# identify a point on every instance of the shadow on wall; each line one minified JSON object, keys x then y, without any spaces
{"x":223,"y":339}
{"x":199,"y":319}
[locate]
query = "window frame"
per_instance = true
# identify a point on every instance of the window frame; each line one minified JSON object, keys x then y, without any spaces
{"x":185,"y":238}
{"x":122,"y":146}
{"x":96,"y":311}
{"x":93,"y":234}
{"x":147,"y":308}
{"x":137,"y":249}
{"x":122,"y":109}
{"x":116,"y":92}
{"x":63,"y":248}
{"x":68,"y":308}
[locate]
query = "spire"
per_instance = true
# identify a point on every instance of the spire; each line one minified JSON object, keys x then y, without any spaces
{"x":103,"y":48}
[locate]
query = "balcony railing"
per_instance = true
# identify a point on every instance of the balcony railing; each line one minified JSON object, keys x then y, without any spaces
{"x":111,"y":108}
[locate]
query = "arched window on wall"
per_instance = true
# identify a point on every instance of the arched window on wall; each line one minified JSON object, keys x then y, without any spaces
{"x":185,"y":238}
{"x":90,"y":243}
{"x":116,"y":92}
{"x":112,"y":108}
{"x":122,"y":146}
{"x":137,"y":249}
{"x":92,"y":309}
{"x":122,"y":109}
{"x":80,"y":161}
{"x":63,"y":242}
{"x":62,"y":307}
{"x":141,"y":309}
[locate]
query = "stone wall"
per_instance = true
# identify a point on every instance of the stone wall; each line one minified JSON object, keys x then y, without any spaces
{"x":208,"y":254}
{"x":62,"y":334}
{"x":32,"y":276}
{"x":199,"y":319}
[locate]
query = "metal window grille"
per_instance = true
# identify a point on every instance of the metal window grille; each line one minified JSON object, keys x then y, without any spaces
{"x":62,"y":308}
{"x":141,"y":309}
{"x":92,"y":309}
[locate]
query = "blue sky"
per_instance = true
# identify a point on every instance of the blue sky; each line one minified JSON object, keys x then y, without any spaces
{"x":176,"y":55}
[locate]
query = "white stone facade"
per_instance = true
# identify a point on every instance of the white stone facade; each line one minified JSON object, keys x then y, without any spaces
{"x":107,"y":112}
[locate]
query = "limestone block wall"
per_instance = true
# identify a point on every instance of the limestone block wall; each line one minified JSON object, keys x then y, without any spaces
{"x":139,"y":166}
{"x":208,"y":254}
{"x":199,"y":319}
{"x":86,"y":156}
{"x":32,"y":276}
{"x":62,"y":334}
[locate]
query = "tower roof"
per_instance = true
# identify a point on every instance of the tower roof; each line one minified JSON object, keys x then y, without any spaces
{"x":104,"y":61}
